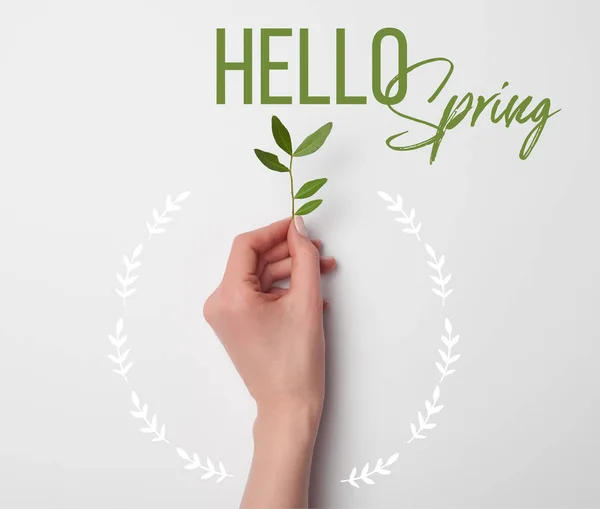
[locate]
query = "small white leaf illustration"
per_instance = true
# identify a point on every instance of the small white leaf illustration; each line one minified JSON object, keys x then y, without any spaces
{"x":146,"y":430}
{"x":454,"y":358}
{"x":383,"y":471}
{"x":131,"y":280}
{"x":191,"y":466}
{"x":135,"y":399}
{"x":183,"y":454}
{"x":124,"y":355}
{"x":413,"y":428}
{"x":448,"y":327}
{"x":384,"y":196}
{"x":443,"y":355}
{"x":379,"y":463}
{"x":455,"y":340}
{"x":137,"y":251}
{"x":222,"y":469}
{"x":430,"y":250}
{"x":436,"y":280}
{"x":156,"y":215}
{"x":183,"y":196}
{"x":365,"y":470}
{"x":441,"y":261}
{"x":436,"y":393}
{"x":441,"y":368}
{"x":429,"y":425}
{"x":432,"y":265}
{"x":208,"y":475}
{"x":368,"y":480}
{"x":447,"y":279}
{"x":353,"y":473}
{"x":119,"y":327}
{"x":439,"y":293}
{"x":127,"y":368}
{"x":352,"y":483}
{"x":446,"y":341}
{"x":421,"y":420}
{"x":392,"y":459}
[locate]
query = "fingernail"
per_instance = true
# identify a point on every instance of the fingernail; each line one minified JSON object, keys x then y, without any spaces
{"x":300,"y":226}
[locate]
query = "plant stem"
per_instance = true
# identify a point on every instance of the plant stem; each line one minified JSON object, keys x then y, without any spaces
{"x":292,"y":187}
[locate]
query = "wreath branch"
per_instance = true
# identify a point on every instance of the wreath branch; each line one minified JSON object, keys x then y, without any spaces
{"x":210,"y":469}
{"x":424,"y":423}
{"x":124,"y":291}
{"x":447,"y":356}
{"x":431,"y":408}
{"x":128,"y":279}
{"x":365,"y":474}
{"x":118,"y":341}
{"x":439,"y":279}
{"x":163,"y":218}
{"x":141,"y":412}
{"x":408,"y":219}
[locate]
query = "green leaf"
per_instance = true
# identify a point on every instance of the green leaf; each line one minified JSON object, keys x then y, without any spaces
{"x":281,"y":135}
{"x":271,"y":161}
{"x":308,"y":207}
{"x":310,"y":188}
{"x":314,"y":141}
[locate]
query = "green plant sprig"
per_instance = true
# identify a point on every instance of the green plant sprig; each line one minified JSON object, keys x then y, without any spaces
{"x":310,"y":145}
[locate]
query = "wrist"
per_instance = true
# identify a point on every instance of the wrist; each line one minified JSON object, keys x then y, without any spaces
{"x":299,"y":422}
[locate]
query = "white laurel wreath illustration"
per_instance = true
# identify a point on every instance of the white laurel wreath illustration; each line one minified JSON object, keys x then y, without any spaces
{"x":125,"y":290}
{"x":443,"y":292}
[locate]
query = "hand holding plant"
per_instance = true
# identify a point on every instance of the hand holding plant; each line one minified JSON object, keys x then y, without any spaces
{"x":309,"y":146}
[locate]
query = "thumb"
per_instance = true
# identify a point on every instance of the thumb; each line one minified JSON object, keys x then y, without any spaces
{"x":305,"y":281}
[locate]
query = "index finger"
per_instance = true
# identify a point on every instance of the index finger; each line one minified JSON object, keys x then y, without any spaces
{"x":247,"y":248}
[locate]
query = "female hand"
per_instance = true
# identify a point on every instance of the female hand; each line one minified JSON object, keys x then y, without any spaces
{"x":274,"y":337}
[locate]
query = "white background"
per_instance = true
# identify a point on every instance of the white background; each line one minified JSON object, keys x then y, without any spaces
{"x":106,"y":107}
